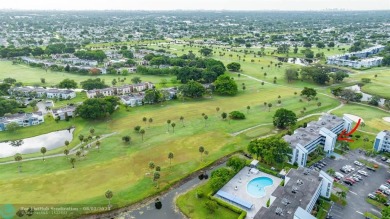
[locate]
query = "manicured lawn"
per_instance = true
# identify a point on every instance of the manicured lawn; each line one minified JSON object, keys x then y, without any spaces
{"x":341,"y":186}
{"x":378,"y":85}
{"x":194,"y":207}
{"x":123,"y":168}
{"x":372,"y":118}
{"x":32,"y":76}
{"x":323,"y":211}
{"x":375,"y":203}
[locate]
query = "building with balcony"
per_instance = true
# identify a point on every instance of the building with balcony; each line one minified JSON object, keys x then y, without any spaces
{"x":382,"y":141}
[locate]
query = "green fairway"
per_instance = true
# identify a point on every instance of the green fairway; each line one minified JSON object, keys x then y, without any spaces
{"x":378,"y":85}
{"x":123,"y":168}
{"x":32,"y":76}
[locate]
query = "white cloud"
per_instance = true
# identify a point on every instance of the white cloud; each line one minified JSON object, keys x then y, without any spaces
{"x":196,"y":4}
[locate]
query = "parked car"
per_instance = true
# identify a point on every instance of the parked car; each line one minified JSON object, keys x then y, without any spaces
{"x":384,"y":158}
{"x":355,"y":178}
{"x":358,"y":176}
{"x":387,"y":204}
{"x":372,"y":196}
{"x":358,"y":163}
{"x":339,"y":175}
{"x":372,"y":169}
{"x":364,"y":173}
{"x":351,"y":180}
{"x":323,"y":163}
{"x":380,"y":193}
{"x":343,"y":170}
{"x":388,"y":161}
{"x":388,"y":181}
{"x":348,"y":182}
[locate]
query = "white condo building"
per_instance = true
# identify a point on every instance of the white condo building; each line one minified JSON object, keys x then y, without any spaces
{"x":382,"y":141}
{"x":321,"y":133}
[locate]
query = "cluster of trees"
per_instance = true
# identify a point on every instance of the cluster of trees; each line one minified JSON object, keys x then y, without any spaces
{"x":270,"y":150}
{"x":68,"y":84}
{"x":386,"y":55}
{"x":97,"y":55}
{"x":236,"y":115}
{"x":221,"y":176}
{"x":317,"y":73}
{"x":192,"y":89}
{"x":224,"y":85}
{"x":186,"y":68}
{"x":321,"y":74}
{"x":91,"y":84}
{"x":347,"y":94}
{"x":97,"y":108}
{"x":7,"y":106}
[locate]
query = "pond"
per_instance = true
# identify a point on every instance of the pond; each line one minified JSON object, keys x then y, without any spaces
{"x":366,"y":97}
{"x":50,"y":141}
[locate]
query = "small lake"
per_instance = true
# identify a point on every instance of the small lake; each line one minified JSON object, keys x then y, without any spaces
{"x":366,"y":97}
{"x":50,"y":141}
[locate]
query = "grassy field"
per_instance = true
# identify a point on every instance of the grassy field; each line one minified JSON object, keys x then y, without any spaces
{"x":123,"y":168}
{"x":32,"y":76}
{"x":193,"y":207}
{"x":379,"y":85}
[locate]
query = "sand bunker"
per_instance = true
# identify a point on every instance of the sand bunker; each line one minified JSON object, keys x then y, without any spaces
{"x":354,"y":118}
{"x":387,"y":119}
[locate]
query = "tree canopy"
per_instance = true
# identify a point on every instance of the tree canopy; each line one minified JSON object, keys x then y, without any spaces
{"x":192,"y":89}
{"x":224,"y":85}
{"x":97,"y":108}
{"x":91,"y":84}
{"x":283,"y":118}
{"x":234,"y":66}
{"x":271,"y":150}
{"x":67,"y":83}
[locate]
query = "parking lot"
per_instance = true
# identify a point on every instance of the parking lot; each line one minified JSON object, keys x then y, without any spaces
{"x":356,"y":197}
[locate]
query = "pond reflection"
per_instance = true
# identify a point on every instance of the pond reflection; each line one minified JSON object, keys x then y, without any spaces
{"x":50,"y":141}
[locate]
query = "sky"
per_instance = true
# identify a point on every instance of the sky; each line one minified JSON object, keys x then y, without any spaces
{"x":195,"y":4}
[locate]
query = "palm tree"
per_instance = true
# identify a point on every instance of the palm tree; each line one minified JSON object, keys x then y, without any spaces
{"x":17,"y":143}
{"x":43,"y":151}
{"x":151,"y":165}
{"x":78,"y":154}
{"x":217,"y":109}
{"x":89,"y":139}
{"x":173,"y":127}
{"x":265,"y":104}
{"x":247,"y":109}
{"x":98,"y":145}
{"x":319,"y":104}
{"x":344,"y":146}
{"x":66,"y":143}
{"x":150,"y":121}
{"x":170,"y":157}
{"x":66,"y":152}
{"x":331,"y":171}
{"x":269,"y":107}
{"x":205,"y":120}
{"x":18,"y":158}
{"x":92,"y":131}
{"x":156,"y":176}
{"x":182,"y":120}
{"x":201,"y":150}
{"x":109,"y":195}
{"x":365,"y":139}
{"x":145,"y":120}
{"x":81,"y":138}
{"x":72,"y":161}
{"x":362,"y":125}
{"x":142,"y":131}
{"x":158,"y":168}
{"x":168,"y":123}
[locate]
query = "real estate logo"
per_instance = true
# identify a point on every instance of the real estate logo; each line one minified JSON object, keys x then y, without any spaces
{"x":7,"y":211}
{"x":344,"y":136}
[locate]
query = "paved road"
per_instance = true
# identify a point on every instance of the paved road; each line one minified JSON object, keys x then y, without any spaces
{"x":169,"y":209}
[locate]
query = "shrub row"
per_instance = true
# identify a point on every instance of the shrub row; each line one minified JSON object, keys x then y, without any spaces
{"x":228,"y":206}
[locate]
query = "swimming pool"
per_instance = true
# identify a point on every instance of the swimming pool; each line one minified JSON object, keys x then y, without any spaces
{"x":256,"y":187}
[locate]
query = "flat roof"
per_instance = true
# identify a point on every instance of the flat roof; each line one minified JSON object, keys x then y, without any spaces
{"x":304,"y":182}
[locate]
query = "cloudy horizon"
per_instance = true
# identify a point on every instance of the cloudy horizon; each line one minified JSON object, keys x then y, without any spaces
{"x":231,"y":5}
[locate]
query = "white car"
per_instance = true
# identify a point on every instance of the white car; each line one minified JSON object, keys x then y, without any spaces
{"x":388,"y":161}
{"x":364,"y":173}
{"x":357,"y":176}
{"x":358,"y":163}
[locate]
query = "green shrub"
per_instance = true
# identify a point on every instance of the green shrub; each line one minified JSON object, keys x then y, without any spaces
{"x":268,"y":203}
{"x":236,"y":115}
{"x":199,"y":194}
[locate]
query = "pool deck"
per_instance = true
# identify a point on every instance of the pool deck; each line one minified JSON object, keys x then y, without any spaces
{"x":241,"y":179}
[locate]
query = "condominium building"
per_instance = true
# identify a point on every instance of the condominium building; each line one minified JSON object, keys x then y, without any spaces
{"x":322,"y":133}
{"x":42,"y":92}
{"x":364,"y":61}
{"x":63,"y":112}
{"x":22,"y":119}
{"x":382,"y":141}
{"x":296,"y":199}
{"x":121,"y":90}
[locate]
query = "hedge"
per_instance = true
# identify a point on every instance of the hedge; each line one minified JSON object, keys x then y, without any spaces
{"x":228,"y":206}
